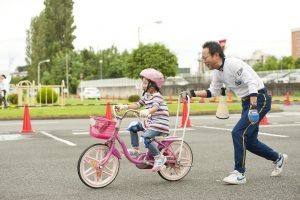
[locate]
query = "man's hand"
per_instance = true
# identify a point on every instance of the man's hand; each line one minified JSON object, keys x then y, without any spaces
{"x":253,"y":116}
{"x":144,"y":113}
{"x":184,"y":94}
{"x":121,"y":107}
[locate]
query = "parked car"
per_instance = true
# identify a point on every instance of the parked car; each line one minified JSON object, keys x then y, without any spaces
{"x":90,"y":93}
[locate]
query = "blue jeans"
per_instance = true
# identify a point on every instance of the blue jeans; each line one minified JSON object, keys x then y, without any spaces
{"x":134,"y":127}
{"x":244,"y":135}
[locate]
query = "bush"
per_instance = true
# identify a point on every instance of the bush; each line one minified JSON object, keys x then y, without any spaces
{"x":13,"y":98}
{"x":296,"y":94}
{"x":43,"y":95}
{"x":133,"y":98}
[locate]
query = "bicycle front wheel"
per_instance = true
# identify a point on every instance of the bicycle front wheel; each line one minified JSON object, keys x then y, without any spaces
{"x":90,"y":173}
{"x":177,"y":171}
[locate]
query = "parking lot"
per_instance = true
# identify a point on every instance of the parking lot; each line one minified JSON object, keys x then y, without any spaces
{"x":42,"y":165}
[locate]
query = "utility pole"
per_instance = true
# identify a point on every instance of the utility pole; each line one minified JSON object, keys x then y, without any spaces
{"x":67,"y":74}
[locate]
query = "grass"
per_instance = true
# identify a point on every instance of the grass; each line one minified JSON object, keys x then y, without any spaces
{"x":100,"y":110}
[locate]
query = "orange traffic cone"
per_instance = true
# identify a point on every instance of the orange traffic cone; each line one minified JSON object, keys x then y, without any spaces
{"x":264,"y":121}
{"x":26,"y":121}
{"x":184,"y":116}
{"x":108,"y":114}
{"x":287,"y":99}
{"x":229,"y":100}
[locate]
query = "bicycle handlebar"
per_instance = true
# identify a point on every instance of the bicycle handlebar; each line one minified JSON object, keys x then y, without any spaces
{"x":127,"y":111}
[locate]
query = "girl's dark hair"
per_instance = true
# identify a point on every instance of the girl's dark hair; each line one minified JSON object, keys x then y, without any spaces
{"x":214,"y":47}
{"x":3,"y":76}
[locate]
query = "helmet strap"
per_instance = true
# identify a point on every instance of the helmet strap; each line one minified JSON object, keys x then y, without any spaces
{"x":151,"y":84}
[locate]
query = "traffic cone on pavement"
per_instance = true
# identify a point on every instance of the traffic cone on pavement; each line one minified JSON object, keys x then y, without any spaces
{"x":26,"y":121}
{"x":108,"y":114}
{"x":184,"y":116}
{"x":264,"y":121}
{"x":287,"y":99}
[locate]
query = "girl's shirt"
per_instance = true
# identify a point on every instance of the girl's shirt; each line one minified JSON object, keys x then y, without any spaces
{"x":159,"y":120}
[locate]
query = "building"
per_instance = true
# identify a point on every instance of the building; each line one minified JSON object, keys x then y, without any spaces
{"x":296,"y":43}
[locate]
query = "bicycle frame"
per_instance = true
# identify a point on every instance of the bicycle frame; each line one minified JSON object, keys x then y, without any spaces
{"x":99,"y":164}
{"x":161,"y":144}
{"x":113,"y":150}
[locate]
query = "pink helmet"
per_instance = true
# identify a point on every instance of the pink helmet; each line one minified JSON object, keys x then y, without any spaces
{"x":153,"y":75}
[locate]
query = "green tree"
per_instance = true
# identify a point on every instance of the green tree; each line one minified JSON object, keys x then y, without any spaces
{"x":50,"y":33}
{"x":258,"y":66}
{"x":271,"y":64}
{"x":287,"y":62}
{"x":35,"y":45}
{"x":155,"y":56}
{"x":297,"y":63}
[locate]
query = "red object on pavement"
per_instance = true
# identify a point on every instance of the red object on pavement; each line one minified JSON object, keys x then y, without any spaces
{"x":108,"y":114}
{"x":26,"y":121}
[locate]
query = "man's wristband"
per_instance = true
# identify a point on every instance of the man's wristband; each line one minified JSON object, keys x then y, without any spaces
{"x":193,"y":93}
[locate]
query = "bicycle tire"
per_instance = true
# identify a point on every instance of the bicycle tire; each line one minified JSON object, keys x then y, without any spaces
{"x":90,"y":174}
{"x":175,"y":172}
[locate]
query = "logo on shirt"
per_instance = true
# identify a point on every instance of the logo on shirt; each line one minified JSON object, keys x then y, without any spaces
{"x":237,"y":82}
{"x":239,"y":72}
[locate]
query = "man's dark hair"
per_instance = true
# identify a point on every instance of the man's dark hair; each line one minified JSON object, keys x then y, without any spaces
{"x":3,"y":76}
{"x":214,"y":47}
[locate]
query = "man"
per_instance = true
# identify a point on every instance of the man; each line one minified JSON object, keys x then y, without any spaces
{"x":4,"y":88}
{"x":240,"y":78}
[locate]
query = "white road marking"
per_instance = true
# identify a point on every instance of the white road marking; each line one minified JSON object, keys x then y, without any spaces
{"x":58,"y":139}
{"x":20,"y":123}
{"x":279,"y":125}
{"x":226,"y":129}
{"x":12,"y":137}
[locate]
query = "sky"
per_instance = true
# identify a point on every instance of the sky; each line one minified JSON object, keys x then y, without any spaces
{"x":248,"y":25}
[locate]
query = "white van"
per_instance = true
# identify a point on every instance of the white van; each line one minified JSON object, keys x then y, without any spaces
{"x":90,"y":93}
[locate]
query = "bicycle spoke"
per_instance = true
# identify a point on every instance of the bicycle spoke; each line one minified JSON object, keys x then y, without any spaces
{"x":110,"y":173}
{"x":90,"y":173}
{"x":88,"y":159}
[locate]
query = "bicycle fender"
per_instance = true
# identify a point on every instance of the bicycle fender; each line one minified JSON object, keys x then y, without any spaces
{"x":116,"y":153}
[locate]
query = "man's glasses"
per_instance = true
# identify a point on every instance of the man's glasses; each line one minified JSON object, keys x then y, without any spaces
{"x":204,"y":58}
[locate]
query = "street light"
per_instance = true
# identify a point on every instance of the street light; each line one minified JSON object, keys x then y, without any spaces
{"x":100,"y":62}
{"x":139,"y":30}
{"x":43,"y":61}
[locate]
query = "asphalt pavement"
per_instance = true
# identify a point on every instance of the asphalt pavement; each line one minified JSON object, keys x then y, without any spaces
{"x":42,"y":165}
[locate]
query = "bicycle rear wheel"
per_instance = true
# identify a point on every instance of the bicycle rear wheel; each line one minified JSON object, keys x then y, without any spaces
{"x":177,"y":171}
{"x":91,"y":174}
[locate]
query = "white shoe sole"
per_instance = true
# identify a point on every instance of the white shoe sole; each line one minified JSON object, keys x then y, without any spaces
{"x":234,"y":182}
{"x":285,"y":157}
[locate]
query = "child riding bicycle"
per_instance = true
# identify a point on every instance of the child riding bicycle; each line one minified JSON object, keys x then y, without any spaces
{"x":156,"y":113}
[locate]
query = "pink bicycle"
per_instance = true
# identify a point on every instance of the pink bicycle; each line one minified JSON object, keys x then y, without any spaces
{"x":99,"y":164}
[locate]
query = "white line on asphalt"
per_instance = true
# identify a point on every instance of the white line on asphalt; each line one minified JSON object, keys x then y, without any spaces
{"x":279,"y":125}
{"x":226,"y":129}
{"x":58,"y":139}
{"x":19,"y":123}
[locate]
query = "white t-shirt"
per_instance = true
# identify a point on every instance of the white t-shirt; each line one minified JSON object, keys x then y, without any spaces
{"x":238,"y":76}
{"x":5,"y":84}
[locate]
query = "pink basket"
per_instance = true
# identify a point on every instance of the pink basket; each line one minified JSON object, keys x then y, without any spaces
{"x":101,"y":127}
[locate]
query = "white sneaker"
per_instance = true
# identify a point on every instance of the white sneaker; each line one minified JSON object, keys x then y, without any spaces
{"x":235,"y":178}
{"x":133,"y":152}
{"x":160,"y":160}
{"x":278,"y":165}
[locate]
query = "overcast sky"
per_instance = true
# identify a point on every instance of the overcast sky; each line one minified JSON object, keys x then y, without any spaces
{"x":248,"y":25}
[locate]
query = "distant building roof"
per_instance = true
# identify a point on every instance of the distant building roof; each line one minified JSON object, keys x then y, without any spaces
{"x":116,"y":82}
